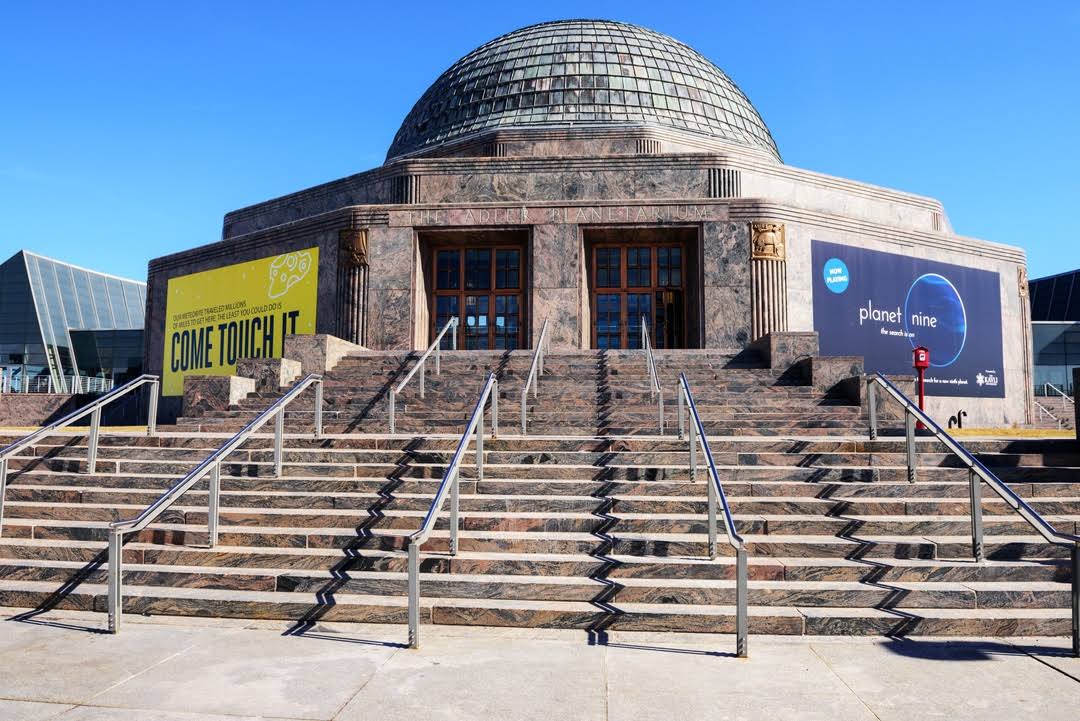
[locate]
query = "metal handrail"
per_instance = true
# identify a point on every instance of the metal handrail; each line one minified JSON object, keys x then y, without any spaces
{"x":535,"y":370}
{"x":654,"y":380}
{"x":717,"y":499}
{"x":421,"y":365}
{"x":1043,"y":410}
{"x":1060,"y":392}
{"x":93,"y":409}
{"x":449,"y":485}
{"x":212,"y":465}
{"x":976,"y":471}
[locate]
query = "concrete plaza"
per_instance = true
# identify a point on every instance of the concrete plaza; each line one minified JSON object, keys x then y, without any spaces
{"x":181,"y":669}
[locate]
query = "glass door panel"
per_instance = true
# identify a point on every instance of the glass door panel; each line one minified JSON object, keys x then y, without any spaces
{"x":505,"y":323}
{"x":609,"y":321}
{"x":638,"y":308}
{"x":446,"y":307}
{"x":476,"y":322}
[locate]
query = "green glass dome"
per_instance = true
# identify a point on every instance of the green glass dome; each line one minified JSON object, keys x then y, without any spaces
{"x":582,"y":73}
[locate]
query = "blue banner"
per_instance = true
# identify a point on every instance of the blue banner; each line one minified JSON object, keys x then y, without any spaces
{"x":882,"y":305}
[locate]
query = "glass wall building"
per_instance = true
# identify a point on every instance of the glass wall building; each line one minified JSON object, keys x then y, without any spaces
{"x":67,"y":329}
{"x":1055,"y":332}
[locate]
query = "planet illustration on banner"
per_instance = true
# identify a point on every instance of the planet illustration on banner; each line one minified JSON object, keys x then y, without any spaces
{"x":934,"y":316}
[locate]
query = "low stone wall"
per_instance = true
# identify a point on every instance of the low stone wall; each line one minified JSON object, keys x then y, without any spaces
{"x":839,"y":376}
{"x":214,"y":393}
{"x":35,"y":409}
{"x":269,"y":374}
{"x":784,"y":349}
{"x":317,"y":353}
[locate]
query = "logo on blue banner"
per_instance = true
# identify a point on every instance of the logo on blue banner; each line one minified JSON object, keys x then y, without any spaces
{"x":882,"y":305}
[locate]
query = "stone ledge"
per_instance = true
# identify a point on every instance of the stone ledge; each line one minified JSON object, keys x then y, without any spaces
{"x":318,"y":353}
{"x":214,"y":393}
{"x":269,"y":374}
{"x":782,"y":350}
{"x":35,"y":409}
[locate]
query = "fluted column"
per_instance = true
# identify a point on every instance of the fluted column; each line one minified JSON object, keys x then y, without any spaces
{"x":352,"y":285}
{"x":768,"y":278}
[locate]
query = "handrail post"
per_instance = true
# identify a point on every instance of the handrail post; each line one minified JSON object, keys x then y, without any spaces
{"x":115,"y":602}
{"x":151,"y":411}
{"x":975,"y":491}
{"x":909,"y":426}
{"x":742,"y":621}
{"x":1075,"y":558}
{"x":455,"y":518}
{"x":712,"y":518}
{"x":3,"y":490}
{"x":279,"y":433}
{"x":453,"y":338}
{"x":871,"y":402}
{"x":494,"y":409}
{"x":524,"y":401}
{"x":95,"y":429}
{"x":682,"y":420}
{"x":414,"y":595}
{"x":318,"y":408}
{"x":660,"y":410}
{"x":214,"y":505}
{"x":693,"y":450}
{"x":480,"y":447}
{"x":438,"y":358}
{"x":391,"y":414}
{"x":423,"y":376}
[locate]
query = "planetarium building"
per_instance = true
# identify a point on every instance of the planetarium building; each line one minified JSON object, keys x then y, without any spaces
{"x":598,"y":175}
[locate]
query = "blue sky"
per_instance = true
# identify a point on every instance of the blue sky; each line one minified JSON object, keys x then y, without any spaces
{"x":128,"y":129}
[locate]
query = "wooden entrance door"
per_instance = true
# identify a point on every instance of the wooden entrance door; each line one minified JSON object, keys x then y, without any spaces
{"x":631,"y":282}
{"x":482,"y":286}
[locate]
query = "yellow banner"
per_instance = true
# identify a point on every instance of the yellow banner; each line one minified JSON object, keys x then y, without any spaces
{"x":245,"y":310}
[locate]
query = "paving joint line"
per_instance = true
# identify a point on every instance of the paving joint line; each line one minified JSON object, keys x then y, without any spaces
{"x":846,"y":684}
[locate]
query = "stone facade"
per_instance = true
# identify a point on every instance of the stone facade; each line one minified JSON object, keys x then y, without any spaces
{"x":744,"y":219}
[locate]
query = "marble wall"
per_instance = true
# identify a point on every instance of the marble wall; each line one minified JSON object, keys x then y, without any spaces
{"x":556,"y":261}
{"x":726,"y":284}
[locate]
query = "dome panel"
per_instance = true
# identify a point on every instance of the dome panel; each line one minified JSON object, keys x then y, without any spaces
{"x":582,"y":72}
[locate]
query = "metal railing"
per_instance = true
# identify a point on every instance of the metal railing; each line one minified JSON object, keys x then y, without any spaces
{"x":717,"y":501}
{"x":212,"y":466}
{"x":535,"y":370}
{"x":654,"y":381}
{"x":977,"y":471}
{"x":93,"y":410}
{"x":449,"y":485}
{"x":1047,"y":387}
{"x":1044,"y":411}
{"x":421,"y":366}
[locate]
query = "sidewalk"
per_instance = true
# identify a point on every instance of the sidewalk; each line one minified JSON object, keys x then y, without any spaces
{"x":185,"y":669}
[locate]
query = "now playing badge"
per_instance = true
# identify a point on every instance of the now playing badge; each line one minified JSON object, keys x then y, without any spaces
{"x":836,"y":275}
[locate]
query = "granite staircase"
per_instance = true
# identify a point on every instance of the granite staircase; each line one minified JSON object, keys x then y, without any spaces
{"x":581,"y":532}
{"x":580,"y":393}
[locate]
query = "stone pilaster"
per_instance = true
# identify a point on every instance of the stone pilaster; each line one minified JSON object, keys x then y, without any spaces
{"x":352,"y":285}
{"x":1024,"y":299}
{"x":768,"y":278}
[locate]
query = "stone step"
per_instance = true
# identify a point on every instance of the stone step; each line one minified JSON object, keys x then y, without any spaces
{"x":550,"y":614}
{"x":708,"y":592}
{"x":997,"y":547}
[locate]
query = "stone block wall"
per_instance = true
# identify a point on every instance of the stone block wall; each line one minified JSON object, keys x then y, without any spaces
{"x":35,"y":409}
